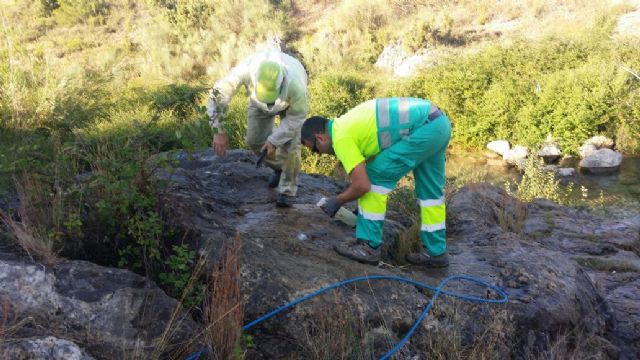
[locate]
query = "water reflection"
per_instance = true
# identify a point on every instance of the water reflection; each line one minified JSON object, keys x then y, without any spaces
{"x":620,"y":191}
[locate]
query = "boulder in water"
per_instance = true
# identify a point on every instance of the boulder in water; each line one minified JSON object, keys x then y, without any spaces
{"x":603,"y":161}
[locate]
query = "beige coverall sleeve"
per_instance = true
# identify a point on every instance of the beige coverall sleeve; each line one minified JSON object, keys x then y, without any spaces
{"x":224,"y":89}
{"x":295,"y":115}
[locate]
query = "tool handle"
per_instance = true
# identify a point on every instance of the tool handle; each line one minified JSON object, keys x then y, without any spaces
{"x":263,"y":154}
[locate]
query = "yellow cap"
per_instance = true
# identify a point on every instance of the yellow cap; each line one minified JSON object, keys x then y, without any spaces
{"x":269,"y":79}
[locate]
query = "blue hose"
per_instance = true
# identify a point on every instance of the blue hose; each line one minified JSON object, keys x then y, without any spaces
{"x":437,"y":291}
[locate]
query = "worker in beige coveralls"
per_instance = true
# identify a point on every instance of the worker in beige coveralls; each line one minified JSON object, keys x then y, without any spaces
{"x":277,"y":85}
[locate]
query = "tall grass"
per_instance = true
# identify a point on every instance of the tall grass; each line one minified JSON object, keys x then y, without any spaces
{"x":31,"y":226}
{"x":223,"y":306}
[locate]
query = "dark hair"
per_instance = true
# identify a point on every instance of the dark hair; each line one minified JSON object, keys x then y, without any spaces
{"x":312,"y":126}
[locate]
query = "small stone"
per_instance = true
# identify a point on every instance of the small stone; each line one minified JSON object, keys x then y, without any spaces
{"x":565,"y":171}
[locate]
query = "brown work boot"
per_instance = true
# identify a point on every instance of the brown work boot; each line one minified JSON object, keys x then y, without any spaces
{"x":424,"y":259}
{"x":359,"y":250}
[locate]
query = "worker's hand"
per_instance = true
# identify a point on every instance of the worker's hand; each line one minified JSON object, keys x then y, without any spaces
{"x":271,"y":150}
{"x":331,"y":206}
{"x":220,"y":144}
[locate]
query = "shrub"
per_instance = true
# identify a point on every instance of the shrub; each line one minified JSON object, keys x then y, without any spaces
{"x":537,"y":182}
{"x":522,"y":92}
{"x":70,"y":12}
{"x":333,"y":94}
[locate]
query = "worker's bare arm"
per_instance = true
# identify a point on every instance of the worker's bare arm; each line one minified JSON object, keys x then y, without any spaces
{"x":360,"y":184}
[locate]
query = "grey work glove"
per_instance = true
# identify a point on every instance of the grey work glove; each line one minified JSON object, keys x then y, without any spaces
{"x":331,"y":206}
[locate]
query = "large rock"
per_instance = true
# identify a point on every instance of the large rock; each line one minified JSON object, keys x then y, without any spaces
{"x":394,"y":58}
{"x":107,"y":312}
{"x":550,"y":152}
{"x":628,"y":25}
{"x":500,"y":147}
{"x":603,"y":161}
{"x":516,"y":156}
{"x":555,"y":263}
{"x":600,"y":142}
{"x":595,"y":143}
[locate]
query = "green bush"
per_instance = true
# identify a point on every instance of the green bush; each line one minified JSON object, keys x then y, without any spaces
{"x":570,"y":89}
{"x":70,"y":12}
{"x":333,"y":94}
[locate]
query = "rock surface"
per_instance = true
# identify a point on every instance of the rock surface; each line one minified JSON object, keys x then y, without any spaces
{"x":105,"y":311}
{"x":564,"y":172}
{"x":628,"y":25}
{"x":550,"y":152}
{"x":602,"y":161}
{"x":48,"y":348}
{"x":566,"y":271}
{"x":403,"y":64}
{"x":600,"y":142}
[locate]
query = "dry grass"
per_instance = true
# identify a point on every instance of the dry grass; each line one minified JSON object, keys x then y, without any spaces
{"x":10,"y":322}
{"x":408,"y":241}
{"x":511,"y":214}
{"x":179,"y":313}
{"x":223,"y":312}
{"x":334,"y":333}
{"x":33,"y":214}
{"x":448,"y":332}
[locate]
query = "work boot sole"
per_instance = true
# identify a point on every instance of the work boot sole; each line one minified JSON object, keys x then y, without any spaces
{"x":358,"y":259}
{"x":429,"y":264}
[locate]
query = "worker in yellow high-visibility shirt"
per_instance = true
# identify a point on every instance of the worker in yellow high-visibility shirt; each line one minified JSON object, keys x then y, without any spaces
{"x":378,"y":142}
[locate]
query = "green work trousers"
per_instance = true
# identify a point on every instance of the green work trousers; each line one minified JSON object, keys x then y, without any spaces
{"x":423,"y":152}
{"x":259,"y":127}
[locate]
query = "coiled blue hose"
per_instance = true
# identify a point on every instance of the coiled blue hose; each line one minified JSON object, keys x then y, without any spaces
{"x":437,"y":291}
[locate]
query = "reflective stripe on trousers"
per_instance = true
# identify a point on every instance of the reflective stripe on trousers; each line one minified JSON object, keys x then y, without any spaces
{"x":372,"y":208}
{"x":432,"y":214}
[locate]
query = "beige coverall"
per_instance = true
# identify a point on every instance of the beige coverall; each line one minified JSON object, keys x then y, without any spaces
{"x":291,"y":105}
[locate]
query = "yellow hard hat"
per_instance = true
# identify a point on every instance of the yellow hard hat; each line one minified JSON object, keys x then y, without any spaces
{"x":269,"y":80}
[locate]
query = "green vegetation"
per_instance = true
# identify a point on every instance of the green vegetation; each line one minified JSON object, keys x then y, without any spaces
{"x":88,"y":94}
{"x":89,"y":90}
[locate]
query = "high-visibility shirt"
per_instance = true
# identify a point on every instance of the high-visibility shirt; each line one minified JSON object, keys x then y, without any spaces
{"x":375,"y":125}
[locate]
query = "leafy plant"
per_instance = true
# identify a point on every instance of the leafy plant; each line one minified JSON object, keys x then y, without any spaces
{"x":179,"y":266}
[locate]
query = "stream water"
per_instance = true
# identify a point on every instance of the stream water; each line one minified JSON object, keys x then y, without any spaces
{"x":618,"y":193}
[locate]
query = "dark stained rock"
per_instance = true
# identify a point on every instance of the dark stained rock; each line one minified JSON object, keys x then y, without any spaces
{"x":566,"y":271}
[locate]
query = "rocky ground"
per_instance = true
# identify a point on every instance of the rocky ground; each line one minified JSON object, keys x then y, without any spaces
{"x":572,"y":278}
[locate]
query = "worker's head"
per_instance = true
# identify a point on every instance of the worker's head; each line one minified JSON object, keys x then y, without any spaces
{"x":269,"y":79}
{"x":315,"y":135}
